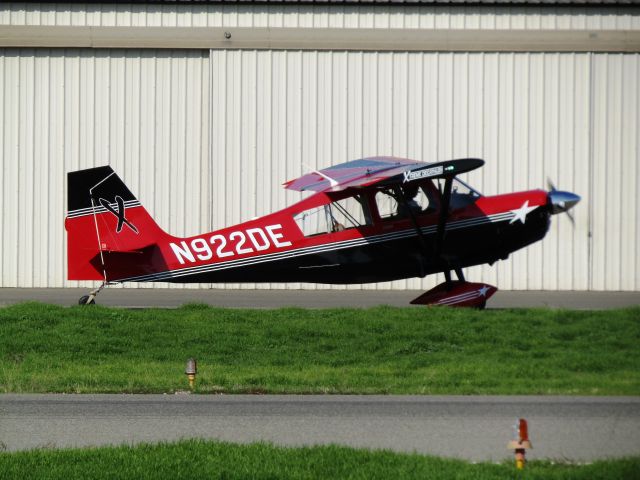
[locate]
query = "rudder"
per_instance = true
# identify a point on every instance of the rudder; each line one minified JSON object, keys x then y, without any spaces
{"x":110,"y":234}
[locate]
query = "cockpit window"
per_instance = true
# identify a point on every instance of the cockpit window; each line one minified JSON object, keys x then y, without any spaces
{"x":462,"y":194}
{"x":387,"y":204}
{"x":462,"y":188}
{"x":337,"y":216}
{"x":417,"y":199}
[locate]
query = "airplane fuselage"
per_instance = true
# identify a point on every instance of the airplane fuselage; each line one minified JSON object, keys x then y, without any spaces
{"x":274,"y":249}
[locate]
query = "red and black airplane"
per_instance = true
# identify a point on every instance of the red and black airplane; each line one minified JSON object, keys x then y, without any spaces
{"x":369,"y":220}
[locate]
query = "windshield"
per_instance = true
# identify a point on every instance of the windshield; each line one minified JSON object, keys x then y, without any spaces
{"x":461,"y":193}
{"x":462,"y":188}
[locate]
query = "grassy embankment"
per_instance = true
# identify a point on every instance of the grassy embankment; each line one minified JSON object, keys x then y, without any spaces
{"x":205,"y":459}
{"x":45,"y":348}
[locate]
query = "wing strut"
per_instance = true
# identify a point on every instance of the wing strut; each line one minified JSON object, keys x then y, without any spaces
{"x":423,"y":245}
{"x":444,"y":214}
{"x":446,"y":170}
{"x":442,"y":222}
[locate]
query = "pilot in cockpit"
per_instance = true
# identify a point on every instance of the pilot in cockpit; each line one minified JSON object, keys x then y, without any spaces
{"x":410,"y":202}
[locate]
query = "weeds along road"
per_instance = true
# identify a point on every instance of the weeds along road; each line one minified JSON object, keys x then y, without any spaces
{"x":470,"y":427}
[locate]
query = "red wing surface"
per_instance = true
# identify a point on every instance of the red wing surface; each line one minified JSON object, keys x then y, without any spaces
{"x":356,"y":173}
{"x":379,"y":170}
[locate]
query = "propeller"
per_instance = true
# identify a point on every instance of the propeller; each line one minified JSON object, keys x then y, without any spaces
{"x":561,"y":201}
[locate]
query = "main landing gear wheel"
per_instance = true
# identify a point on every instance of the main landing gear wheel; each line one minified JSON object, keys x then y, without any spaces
{"x":87,"y":300}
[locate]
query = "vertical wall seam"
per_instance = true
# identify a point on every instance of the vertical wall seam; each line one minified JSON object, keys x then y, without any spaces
{"x":452,"y":101}
{"x":33,"y":172}
{"x":238,"y":117}
{"x":590,"y":207}
{"x":407,"y":102}
{"x":606,"y":151}
{"x":223,"y":138}
{"x":543,"y":100}
{"x":211,"y":87}
{"x":256,"y":202}
{"x":467,"y":86}
{"x":139,"y":149}
{"x":513,"y":159}
{"x":185,"y":132}
{"x":621,"y":285}
{"x":169,"y":175}
{"x":346,"y":104}
{"x":108,"y":97}
{"x":3,"y":147}
{"x":482,"y":99}
{"x":636,"y":282}
{"x":125,"y":58}
{"x":437,"y":109}
{"x":557,"y":160}
{"x":16,"y":186}
{"x":210,"y":135}
{"x":47,"y":156}
{"x":362,"y":77}
{"x":377,"y":136}
{"x":155,"y":134}
{"x":574,"y":101}
{"x":497,"y":170}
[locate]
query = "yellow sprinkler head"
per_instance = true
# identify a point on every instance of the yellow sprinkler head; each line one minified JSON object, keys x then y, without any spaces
{"x":191,"y":371}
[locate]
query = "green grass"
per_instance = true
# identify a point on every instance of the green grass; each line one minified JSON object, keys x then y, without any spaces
{"x":46,"y":348}
{"x":217,"y":460}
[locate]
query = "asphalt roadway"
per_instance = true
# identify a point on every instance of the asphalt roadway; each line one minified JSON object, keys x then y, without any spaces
{"x":171,"y":298}
{"x":579,"y":429}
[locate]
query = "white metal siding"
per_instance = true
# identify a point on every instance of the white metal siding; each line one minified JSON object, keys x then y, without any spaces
{"x":205,"y":139}
{"x":615,"y":215}
{"x":320,"y":16}
{"x":571,"y":117}
{"x":531,"y":116}
{"x":143,"y":112}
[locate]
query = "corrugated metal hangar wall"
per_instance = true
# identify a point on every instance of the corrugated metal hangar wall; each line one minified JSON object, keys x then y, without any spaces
{"x":205,"y":137}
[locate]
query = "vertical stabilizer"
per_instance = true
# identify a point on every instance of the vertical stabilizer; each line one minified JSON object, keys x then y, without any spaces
{"x":110,"y":234}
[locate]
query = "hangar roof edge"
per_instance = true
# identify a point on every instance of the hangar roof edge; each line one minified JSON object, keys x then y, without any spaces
{"x":583,"y":3}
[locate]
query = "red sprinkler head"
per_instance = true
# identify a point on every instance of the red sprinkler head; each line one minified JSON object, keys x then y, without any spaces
{"x":520,"y":442}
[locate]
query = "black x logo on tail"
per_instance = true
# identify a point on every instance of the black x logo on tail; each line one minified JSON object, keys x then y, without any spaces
{"x":119,"y":213}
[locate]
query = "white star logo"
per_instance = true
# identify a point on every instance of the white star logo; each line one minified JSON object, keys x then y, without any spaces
{"x":522,"y":212}
{"x":483,"y":291}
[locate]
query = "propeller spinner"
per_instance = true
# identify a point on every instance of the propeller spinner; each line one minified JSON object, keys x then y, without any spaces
{"x":561,"y":201}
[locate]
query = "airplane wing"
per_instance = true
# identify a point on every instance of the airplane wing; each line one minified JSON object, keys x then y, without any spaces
{"x":394,"y":172}
{"x":379,"y":170}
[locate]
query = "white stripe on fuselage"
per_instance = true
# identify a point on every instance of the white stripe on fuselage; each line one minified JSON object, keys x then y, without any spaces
{"x":212,"y":267}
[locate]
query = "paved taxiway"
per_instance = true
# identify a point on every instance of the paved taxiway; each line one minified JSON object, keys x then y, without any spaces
{"x":143,"y":297}
{"x":470,"y":427}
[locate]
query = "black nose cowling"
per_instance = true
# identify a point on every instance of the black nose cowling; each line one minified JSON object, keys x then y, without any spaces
{"x":562,"y":201}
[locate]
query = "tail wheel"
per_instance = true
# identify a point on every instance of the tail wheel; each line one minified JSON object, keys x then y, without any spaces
{"x":87,"y":300}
